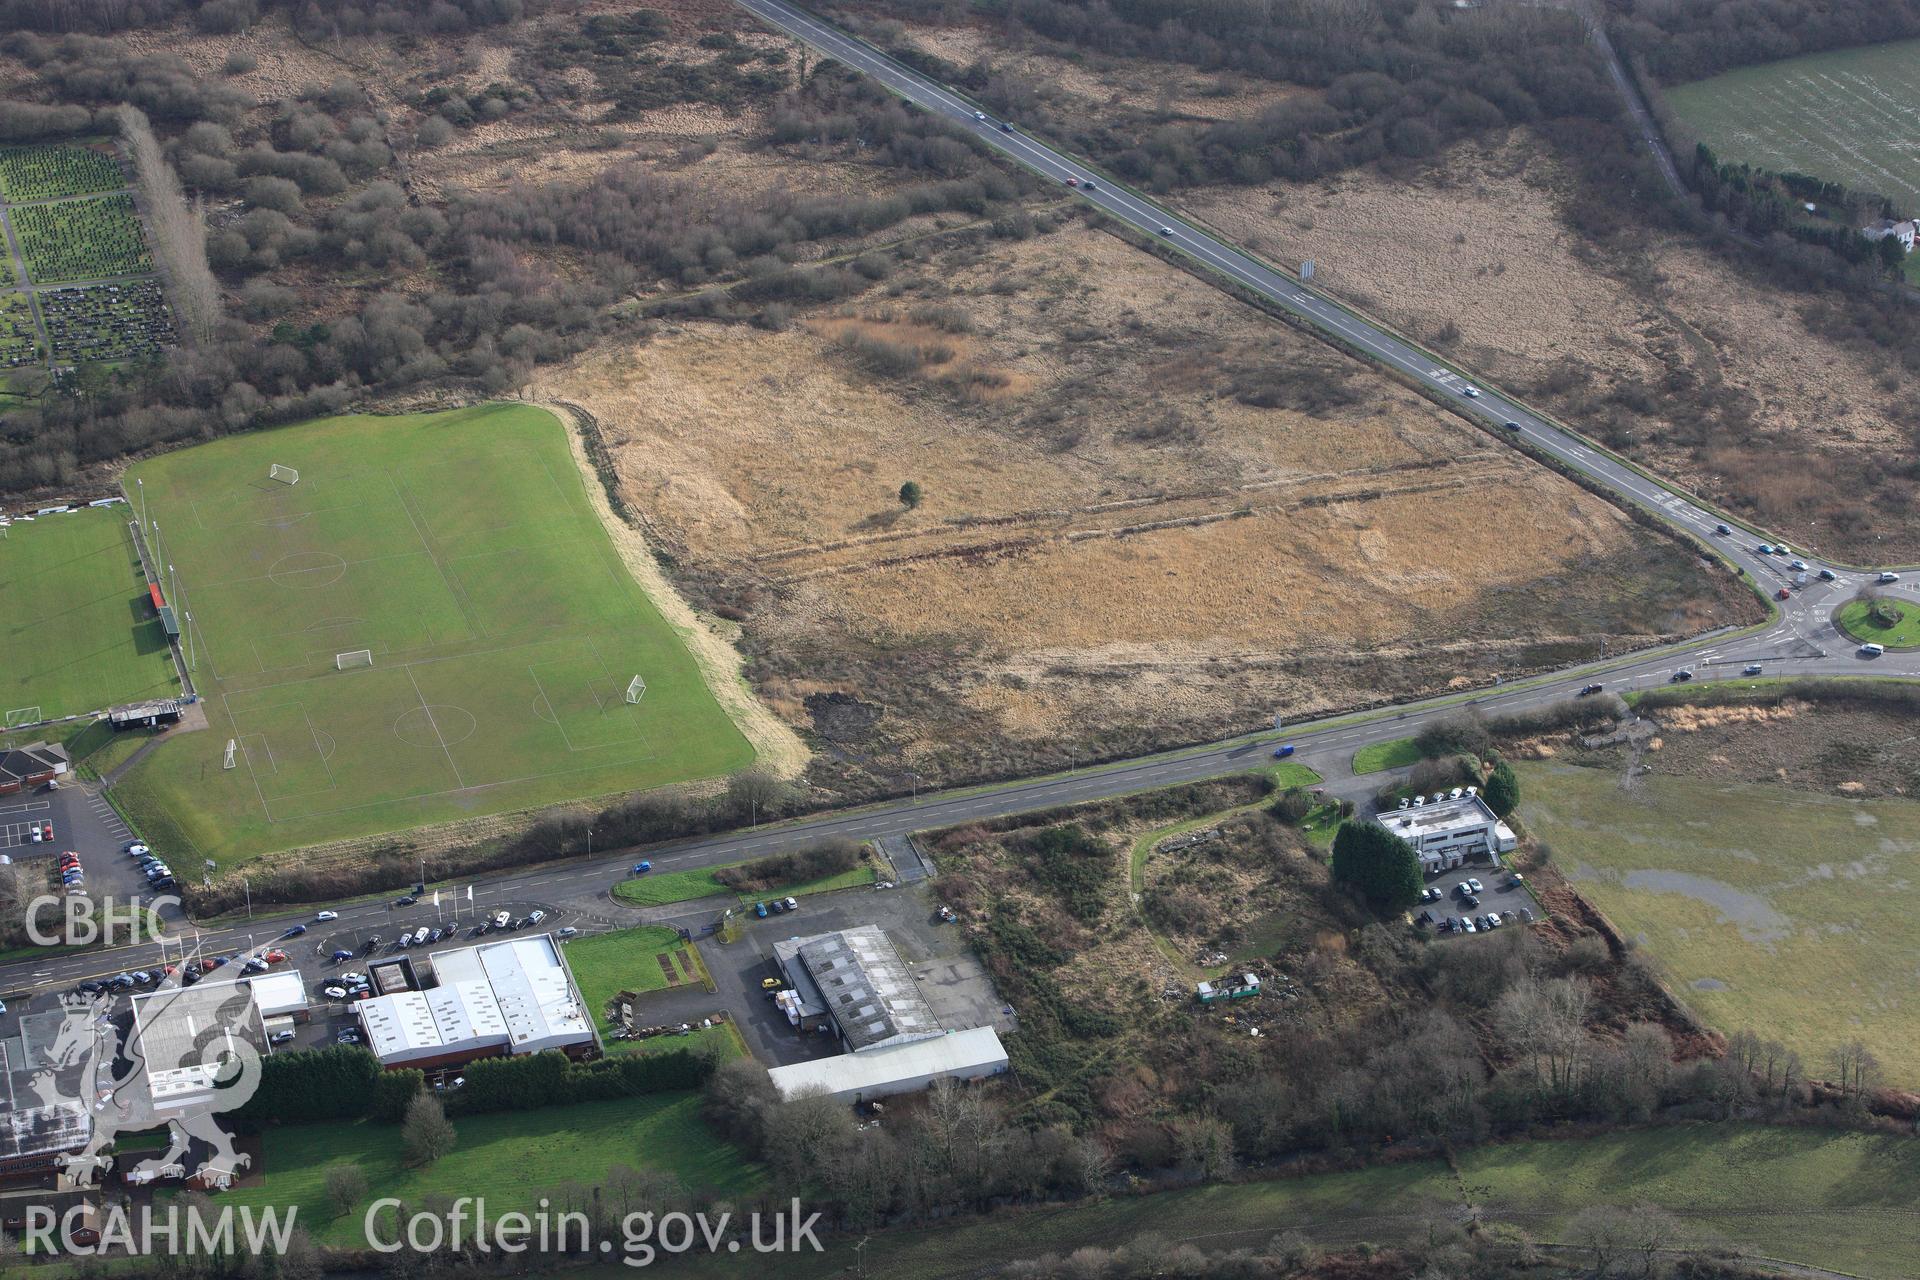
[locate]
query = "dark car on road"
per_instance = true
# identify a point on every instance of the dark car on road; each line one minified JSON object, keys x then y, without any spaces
{"x":1588,"y":690}
{"x":406,"y":901}
{"x":295,"y":932}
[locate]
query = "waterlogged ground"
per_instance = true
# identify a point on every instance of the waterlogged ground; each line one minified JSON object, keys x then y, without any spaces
{"x":1783,"y":911}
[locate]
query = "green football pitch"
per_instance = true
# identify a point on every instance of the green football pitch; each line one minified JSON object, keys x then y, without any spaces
{"x":77,"y":632}
{"x":460,"y":551}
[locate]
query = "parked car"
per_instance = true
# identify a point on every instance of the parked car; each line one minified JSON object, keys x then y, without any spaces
{"x":1526,"y":914}
{"x":776,"y":906}
{"x":275,"y":957}
{"x":535,"y":917}
{"x":255,"y":964}
{"x":420,"y":936}
{"x":1467,"y":925}
{"x":1474,"y":885}
{"x":347,"y":1036}
{"x":136,"y":848}
{"x":500,"y":919}
{"x":281,"y":1037}
{"x":792,"y":905}
{"x":477,"y":931}
{"x":760,"y":910}
{"x":641,"y":868}
{"x":567,"y":932}
{"x":334,"y":991}
{"x":46,"y":828}
{"x":370,"y":946}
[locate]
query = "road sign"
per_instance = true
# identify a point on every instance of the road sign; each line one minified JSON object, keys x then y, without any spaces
{"x":1306,"y":269}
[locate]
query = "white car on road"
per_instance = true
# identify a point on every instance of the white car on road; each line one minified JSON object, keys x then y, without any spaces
{"x":327,"y":915}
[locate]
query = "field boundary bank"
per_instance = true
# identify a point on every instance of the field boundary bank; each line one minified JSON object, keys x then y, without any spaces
{"x":721,"y":665}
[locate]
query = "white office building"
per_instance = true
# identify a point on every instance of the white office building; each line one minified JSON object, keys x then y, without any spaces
{"x":1450,"y":829}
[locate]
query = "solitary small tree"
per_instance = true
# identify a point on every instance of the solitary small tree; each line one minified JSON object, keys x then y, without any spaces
{"x":910,"y":495}
{"x":427,"y":1134}
{"x":1502,"y":792}
{"x":346,"y":1186}
{"x":1378,"y":863}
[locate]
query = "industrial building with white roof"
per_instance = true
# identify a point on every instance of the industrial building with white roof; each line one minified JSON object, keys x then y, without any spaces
{"x":511,"y":997}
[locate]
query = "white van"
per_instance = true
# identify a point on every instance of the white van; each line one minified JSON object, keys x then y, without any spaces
{"x":1872,"y":650}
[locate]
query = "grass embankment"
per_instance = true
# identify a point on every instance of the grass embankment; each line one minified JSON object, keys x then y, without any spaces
{"x":462,"y":549}
{"x":1831,"y":1200}
{"x":1855,"y":617}
{"x":510,"y":1159}
{"x":656,"y":889}
{"x":1381,"y":756}
{"x":80,"y":633}
{"x":1786,"y":912}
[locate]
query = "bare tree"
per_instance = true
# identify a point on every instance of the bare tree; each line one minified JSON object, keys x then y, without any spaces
{"x":179,"y":229}
{"x":426,"y":1133}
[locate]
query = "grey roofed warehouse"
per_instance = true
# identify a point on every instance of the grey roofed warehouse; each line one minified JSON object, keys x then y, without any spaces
{"x":856,"y":977}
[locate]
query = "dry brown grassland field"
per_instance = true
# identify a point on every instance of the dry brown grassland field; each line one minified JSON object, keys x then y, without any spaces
{"x":1667,"y":351}
{"x":1151,"y":515}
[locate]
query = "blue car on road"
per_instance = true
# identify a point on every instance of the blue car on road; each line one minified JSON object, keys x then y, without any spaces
{"x":1281,"y":753}
{"x":641,"y":868}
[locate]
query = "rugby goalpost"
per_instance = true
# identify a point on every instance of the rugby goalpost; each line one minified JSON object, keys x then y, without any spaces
{"x":285,"y":475}
{"x":636,"y":689}
{"x":353,"y":658}
{"x":230,"y":762}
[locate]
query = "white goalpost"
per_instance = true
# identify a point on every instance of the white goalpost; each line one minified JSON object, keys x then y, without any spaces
{"x":637,"y":689}
{"x":285,"y":475}
{"x":229,"y":762}
{"x":22,"y":716}
{"x":353,"y":658}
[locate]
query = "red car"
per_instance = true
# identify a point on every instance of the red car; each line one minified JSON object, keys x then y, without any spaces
{"x":1782,"y":594}
{"x":1073,"y":182}
{"x":275,"y":957}
{"x":46,"y":831}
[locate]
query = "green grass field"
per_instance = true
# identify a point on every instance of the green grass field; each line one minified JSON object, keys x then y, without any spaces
{"x":1854,"y":619}
{"x":1844,"y":115}
{"x":1785,"y":912}
{"x":509,"y":1159}
{"x":1832,"y":1200}
{"x":77,"y":632}
{"x":656,"y":889}
{"x":649,"y":958}
{"x":1385,"y":755}
{"x":461,"y":550}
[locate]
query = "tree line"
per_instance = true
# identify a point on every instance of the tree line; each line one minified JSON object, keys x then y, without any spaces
{"x":1681,"y":42}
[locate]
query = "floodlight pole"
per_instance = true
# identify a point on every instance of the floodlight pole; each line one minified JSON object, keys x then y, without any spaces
{"x":140,"y":486}
{"x":248,"y":886}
